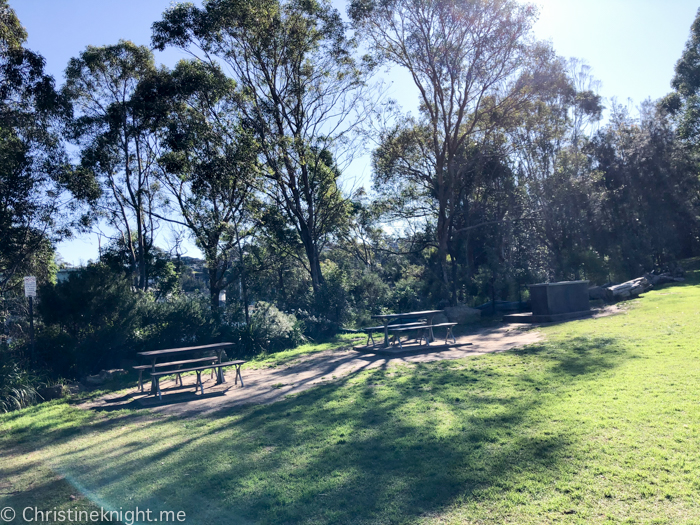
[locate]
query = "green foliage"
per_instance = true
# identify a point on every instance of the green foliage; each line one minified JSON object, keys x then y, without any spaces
{"x":300,"y":97}
{"x":269,"y":331}
{"x":17,"y":384}
{"x":91,"y":321}
{"x":34,"y":211}
{"x":210,"y":165}
{"x":332,"y":298}
{"x":111,"y":125}
{"x":650,"y":193}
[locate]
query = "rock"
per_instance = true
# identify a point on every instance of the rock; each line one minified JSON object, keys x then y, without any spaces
{"x":104,"y":376}
{"x":462,"y":314}
{"x":51,"y":392}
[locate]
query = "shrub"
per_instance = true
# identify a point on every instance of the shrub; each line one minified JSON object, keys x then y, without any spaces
{"x":17,"y":384}
{"x":90,"y":321}
{"x":316,"y":326}
{"x":180,"y":321}
{"x":270,"y":330}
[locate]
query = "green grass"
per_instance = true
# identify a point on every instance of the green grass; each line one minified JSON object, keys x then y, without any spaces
{"x":600,"y":424}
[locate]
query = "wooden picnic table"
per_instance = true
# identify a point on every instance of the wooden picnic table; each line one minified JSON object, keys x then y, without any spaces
{"x":155,"y":354}
{"x":387,"y":318}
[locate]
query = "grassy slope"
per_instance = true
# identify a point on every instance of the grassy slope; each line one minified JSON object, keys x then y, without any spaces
{"x":598,"y":425}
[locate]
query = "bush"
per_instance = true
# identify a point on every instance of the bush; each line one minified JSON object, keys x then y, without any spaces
{"x":17,"y":384}
{"x":90,"y":321}
{"x":332,"y":296}
{"x":316,"y":326}
{"x":181,"y":321}
{"x":270,"y":330}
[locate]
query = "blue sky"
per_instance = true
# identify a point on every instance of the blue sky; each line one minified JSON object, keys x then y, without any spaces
{"x":631,"y":45}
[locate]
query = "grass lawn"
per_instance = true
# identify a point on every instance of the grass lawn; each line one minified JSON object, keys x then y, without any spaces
{"x":600,"y":424}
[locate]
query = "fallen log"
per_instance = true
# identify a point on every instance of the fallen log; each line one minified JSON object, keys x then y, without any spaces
{"x":663,"y":278}
{"x":617,"y":292}
{"x":628,"y":289}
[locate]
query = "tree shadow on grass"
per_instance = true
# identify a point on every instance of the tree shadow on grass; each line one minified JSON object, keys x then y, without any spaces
{"x":389,"y":445}
{"x":578,"y":356}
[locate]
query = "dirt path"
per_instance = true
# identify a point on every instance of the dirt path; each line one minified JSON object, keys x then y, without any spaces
{"x":273,"y":384}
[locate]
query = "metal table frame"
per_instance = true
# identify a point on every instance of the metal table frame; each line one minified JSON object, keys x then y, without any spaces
{"x":154,"y":354}
{"x":387,"y":318}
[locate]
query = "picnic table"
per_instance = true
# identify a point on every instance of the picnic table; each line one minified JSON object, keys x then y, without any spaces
{"x":387,"y":318}
{"x":154,"y":355}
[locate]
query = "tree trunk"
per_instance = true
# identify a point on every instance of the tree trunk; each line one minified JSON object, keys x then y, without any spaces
{"x":244,"y":285}
{"x":442,"y":254}
{"x":141,"y":251}
{"x":312,"y":256}
{"x":215,"y":280}
{"x":214,"y":291}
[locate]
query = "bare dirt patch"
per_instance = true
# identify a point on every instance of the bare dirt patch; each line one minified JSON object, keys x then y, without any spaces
{"x":269,"y":385}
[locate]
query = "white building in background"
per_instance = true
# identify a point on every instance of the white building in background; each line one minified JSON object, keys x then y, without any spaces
{"x":64,"y":274}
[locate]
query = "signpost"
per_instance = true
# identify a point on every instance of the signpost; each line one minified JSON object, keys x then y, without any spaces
{"x":30,"y":291}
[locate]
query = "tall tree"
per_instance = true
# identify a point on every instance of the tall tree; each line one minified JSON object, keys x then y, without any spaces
{"x":116,"y":141}
{"x":684,"y":101}
{"x":469,"y":60}
{"x":35,"y":209}
{"x":651,"y":200}
{"x":301,"y":93}
{"x":209,"y":167}
{"x":561,"y":187}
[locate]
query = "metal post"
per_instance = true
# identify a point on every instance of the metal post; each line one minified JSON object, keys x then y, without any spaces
{"x":31,"y":322}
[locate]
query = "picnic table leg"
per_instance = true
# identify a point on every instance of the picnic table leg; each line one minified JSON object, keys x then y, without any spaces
{"x":432,"y":336}
{"x":386,"y":333}
{"x":153,"y":382}
{"x":157,"y":381}
{"x":238,"y":375}
{"x":219,"y":373}
{"x":450,"y":333}
{"x":141,"y":380}
{"x":199,"y":382}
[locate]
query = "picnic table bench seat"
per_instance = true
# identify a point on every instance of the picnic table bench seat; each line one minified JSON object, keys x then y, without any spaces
{"x":141,"y":368}
{"x":371,"y":329}
{"x":426,"y":316}
{"x":199,"y":369}
{"x":215,"y":351}
{"x":449,"y":332}
{"x":425,"y":331}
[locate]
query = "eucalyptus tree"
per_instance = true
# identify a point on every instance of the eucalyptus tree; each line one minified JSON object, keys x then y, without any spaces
{"x":473,"y":63}
{"x":301,"y":91}
{"x":650,"y":191}
{"x":36,"y":211}
{"x":116,"y":140}
{"x":562,"y":188}
{"x":209,"y":166}
{"x":684,"y":101}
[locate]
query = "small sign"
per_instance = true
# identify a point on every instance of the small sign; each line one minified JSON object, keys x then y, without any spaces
{"x":30,"y":286}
